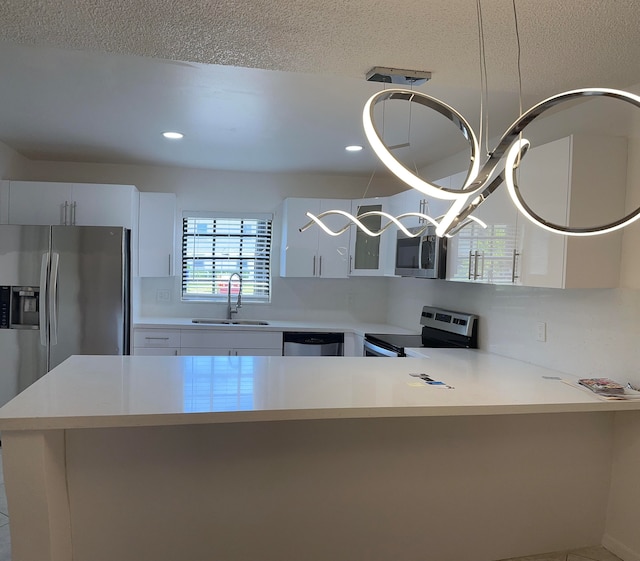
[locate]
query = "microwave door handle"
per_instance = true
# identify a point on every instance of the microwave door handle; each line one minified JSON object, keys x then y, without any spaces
{"x":42,"y":299}
{"x":53,"y":298}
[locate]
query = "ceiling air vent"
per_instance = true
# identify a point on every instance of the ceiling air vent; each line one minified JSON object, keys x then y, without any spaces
{"x":397,"y":76}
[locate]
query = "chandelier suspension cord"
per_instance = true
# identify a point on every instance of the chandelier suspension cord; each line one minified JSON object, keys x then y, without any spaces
{"x":519,"y":71}
{"x":519,"y":67}
{"x":484,"y":88}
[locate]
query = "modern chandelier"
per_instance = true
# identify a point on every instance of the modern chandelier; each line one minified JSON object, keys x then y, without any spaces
{"x":481,"y":180}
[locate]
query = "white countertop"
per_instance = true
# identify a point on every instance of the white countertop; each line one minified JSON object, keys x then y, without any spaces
{"x":359,"y":328}
{"x":115,"y":391}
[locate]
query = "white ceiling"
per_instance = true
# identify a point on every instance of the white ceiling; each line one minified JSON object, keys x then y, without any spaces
{"x":277,"y":85}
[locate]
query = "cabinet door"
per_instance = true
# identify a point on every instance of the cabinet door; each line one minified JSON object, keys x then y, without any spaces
{"x":156,"y":338}
{"x":299,"y":253}
{"x":162,"y":351}
{"x":313,"y":253}
{"x":156,"y":235}
{"x":230,"y":339}
{"x":103,"y":205}
{"x":205,"y":351}
{"x":544,"y":183}
{"x":563,"y":182}
{"x":257,"y":352}
{"x":485,"y":255}
{"x":39,"y":202}
{"x":333,"y":251}
{"x":365,"y":258}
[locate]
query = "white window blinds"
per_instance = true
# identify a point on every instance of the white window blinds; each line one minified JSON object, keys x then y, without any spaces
{"x":215,"y":246}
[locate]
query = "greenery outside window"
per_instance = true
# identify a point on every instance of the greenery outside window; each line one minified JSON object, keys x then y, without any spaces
{"x":216,"y":245}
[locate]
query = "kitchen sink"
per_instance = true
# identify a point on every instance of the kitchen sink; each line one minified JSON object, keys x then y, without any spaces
{"x":230,"y":321}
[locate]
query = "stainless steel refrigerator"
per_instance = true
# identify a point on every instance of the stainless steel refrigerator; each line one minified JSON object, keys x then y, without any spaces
{"x":64,"y":290}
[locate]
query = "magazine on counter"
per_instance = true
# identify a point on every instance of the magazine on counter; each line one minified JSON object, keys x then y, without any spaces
{"x":605,"y":388}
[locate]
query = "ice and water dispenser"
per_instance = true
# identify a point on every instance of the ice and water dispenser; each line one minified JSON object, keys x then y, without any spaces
{"x":19,"y":307}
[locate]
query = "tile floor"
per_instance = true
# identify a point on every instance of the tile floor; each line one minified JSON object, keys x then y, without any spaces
{"x":596,"y":553}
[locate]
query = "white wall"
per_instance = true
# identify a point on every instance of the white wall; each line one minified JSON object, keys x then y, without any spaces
{"x":11,"y":163}
{"x":197,"y":189}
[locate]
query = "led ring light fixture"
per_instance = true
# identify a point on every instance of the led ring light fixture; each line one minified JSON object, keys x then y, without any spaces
{"x":511,"y":147}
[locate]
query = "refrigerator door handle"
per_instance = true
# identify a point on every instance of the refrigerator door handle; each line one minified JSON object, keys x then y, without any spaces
{"x":42,"y":299}
{"x":53,"y":298}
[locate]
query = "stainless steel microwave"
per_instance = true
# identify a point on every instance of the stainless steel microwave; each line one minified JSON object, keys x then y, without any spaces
{"x":423,"y":256}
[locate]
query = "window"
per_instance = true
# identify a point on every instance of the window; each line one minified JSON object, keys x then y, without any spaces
{"x":214,"y":246}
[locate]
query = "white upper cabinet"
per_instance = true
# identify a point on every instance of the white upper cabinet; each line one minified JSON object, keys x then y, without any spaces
{"x":313,"y":253}
{"x":72,"y":204}
{"x":485,"y":255}
{"x":413,"y":200}
{"x":156,"y":235}
{"x":104,"y":205}
{"x":371,"y":256}
{"x":577,"y":181}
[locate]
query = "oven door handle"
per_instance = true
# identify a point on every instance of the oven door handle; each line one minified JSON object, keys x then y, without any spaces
{"x":369,"y":346}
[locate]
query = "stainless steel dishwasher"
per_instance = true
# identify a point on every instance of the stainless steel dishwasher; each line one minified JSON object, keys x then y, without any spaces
{"x":300,"y":343}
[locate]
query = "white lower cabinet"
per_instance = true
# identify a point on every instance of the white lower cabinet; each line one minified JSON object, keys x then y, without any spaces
{"x":206,"y":351}
{"x":156,"y":342}
{"x":158,"y":351}
{"x":206,"y":342}
{"x":218,"y":342}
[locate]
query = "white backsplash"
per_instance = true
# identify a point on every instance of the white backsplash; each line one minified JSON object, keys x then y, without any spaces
{"x":590,"y":332}
{"x":294,"y":299}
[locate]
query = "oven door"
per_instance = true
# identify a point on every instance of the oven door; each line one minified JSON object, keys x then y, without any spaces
{"x":370,"y":349}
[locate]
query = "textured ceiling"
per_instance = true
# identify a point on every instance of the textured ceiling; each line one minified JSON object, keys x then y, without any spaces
{"x":565,"y":44}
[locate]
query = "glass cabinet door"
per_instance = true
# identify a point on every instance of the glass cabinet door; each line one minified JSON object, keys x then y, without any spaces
{"x":367,"y":249}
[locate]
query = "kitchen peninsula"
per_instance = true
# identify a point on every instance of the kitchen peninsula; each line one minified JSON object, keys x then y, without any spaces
{"x":289,"y":458}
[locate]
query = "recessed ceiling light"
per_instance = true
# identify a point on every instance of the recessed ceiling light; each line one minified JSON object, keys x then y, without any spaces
{"x":173,"y":135}
{"x":353,"y":148}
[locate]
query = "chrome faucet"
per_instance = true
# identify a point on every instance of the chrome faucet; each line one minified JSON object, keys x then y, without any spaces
{"x":230,"y":310}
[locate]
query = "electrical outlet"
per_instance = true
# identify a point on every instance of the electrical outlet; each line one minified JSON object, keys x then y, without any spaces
{"x":163,"y":295}
{"x":541,"y":331}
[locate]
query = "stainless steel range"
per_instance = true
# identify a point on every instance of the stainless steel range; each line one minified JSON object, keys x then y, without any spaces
{"x":440,"y":328}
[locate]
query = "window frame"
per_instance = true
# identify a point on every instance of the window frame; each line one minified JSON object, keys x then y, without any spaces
{"x":253,"y":276}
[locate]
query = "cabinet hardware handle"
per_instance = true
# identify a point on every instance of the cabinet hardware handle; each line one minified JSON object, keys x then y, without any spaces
{"x":470,"y":257}
{"x":175,"y":352}
{"x":350,"y":264}
{"x":314,"y":265}
{"x":320,"y":267}
{"x":513,"y":266}
{"x":66,"y":210}
{"x":156,"y":338}
{"x":169,"y":264}
{"x":475,"y":266}
{"x":73,"y":213}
